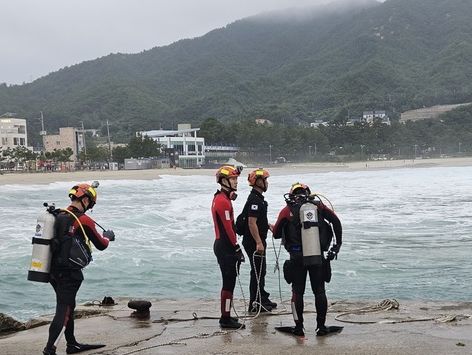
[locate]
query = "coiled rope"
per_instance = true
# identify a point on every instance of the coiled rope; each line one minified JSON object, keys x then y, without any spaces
{"x":385,"y":305}
{"x":392,"y":304}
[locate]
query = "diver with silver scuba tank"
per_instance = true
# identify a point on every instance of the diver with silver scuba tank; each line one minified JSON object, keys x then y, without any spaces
{"x":61,"y":249}
{"x":306,"y":227}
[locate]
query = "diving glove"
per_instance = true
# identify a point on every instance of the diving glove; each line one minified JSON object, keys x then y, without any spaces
{"x":333,"y":252}
{"x":239,"y":254}
{"x":109,"y":234}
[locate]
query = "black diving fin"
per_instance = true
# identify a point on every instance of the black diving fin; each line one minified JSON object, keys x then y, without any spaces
{"x":328,"y":330}
{"x":291,"y":330}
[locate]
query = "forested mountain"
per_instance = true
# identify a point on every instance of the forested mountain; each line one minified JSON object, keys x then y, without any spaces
{"x":290,"y":67}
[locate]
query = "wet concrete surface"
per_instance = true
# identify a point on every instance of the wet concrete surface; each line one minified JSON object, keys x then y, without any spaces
{"x":414,"y":328}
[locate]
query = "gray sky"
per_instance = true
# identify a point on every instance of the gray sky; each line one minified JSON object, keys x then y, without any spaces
{"x":41,"y":36}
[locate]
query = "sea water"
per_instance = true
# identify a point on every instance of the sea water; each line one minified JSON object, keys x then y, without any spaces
{"x":407,"y":234}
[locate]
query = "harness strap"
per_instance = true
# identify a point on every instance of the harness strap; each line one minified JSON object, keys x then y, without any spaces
{"x":87,"y":240}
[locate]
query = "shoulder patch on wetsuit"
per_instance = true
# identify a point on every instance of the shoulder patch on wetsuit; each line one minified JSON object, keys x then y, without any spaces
{"x":254,"y":207}
{"x":227,"y":216}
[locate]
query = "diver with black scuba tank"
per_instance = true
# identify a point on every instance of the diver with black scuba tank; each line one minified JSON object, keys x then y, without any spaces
{"x":71,"y":251}
{"x":306,"y":227}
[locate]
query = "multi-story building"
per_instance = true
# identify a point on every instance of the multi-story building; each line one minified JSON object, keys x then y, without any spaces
{"x":189,"y":149}
{"x":68,"y":137}
{"x":13,"y":132}
{"x":369,"y":116}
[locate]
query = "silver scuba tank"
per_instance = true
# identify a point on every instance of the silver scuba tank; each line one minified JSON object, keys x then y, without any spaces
{"x":41,"y":256}
{"x":310,"y":234}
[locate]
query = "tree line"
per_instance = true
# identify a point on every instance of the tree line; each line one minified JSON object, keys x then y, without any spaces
{"x":450,"y":134}
{"x":24,"y":159}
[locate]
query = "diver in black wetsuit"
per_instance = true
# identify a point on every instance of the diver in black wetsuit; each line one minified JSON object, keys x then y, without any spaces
{"x":65,"y":276}
{"x":288,"y":228}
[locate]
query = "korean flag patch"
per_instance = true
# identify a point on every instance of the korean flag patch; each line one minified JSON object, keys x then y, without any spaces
{"x":254,"y":207}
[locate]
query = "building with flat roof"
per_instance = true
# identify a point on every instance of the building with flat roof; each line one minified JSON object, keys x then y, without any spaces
{"x":13,"y":132}
{"x":189,"y":149}
{"x":68,"y":137}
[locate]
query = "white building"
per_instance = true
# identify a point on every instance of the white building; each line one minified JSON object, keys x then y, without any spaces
{"x":353,"y":120}
{"x":13,"y":132}
{"x":184,"y":142}
{"x":317,"y":123}
{"x":369,"y":116}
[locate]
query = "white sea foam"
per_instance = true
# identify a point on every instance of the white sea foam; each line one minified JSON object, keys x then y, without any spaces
{"x":407,"y":234}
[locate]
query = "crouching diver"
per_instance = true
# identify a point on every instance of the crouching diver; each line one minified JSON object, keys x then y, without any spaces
{"x":227,"y":251}
{"x":306,"y":227}
{"x":71,"y":251}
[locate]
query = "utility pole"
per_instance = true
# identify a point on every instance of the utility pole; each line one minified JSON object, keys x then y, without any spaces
{"x":270,"y":153}
{"x":460,"y":147}
{"x":309,"y":150}
{"x":43,"y":131}
{"x":83,"y":137}
{"x":109,"y":142}
{"x":315,"y":148}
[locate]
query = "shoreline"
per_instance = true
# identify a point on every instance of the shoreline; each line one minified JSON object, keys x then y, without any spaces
{"x":295,"y":168}
{"x":191,"y":326}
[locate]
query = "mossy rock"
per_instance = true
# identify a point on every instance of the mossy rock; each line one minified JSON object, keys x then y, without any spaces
{"x":9,"y":324}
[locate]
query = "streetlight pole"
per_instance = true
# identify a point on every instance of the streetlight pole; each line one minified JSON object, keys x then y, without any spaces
{"x":83,"y":137}
{"x":270,"y":153}
{"x":109,"y":142}
{"x":460,"y":147}
{"x":43,"y":132}
{"x":309,"y":150}
{"x":416,"y":146}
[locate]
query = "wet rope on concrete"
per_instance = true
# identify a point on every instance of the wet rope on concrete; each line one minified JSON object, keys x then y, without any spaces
{"x":194,"y":318}
{"x":180,"y":341}
{"x":387,"y":305}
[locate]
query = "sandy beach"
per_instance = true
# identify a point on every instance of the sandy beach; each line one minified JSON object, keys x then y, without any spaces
{"x":46,"y":178}
{"x":191,"y":327}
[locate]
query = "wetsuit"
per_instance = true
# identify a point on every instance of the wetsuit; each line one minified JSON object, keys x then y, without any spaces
{"x":66,"y":279}
{"x":225,"y":247}
{"x":288,"y":228}
{"x":256,"y":207}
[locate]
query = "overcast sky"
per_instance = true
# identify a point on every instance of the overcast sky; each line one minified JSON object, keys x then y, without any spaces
{"x":41,"y":36}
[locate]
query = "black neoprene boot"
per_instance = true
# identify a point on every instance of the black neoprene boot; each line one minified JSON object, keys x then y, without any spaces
{"x":324,"y":330}
{"x":298,"y":330}
{"x":78,"y":348}
{"x":51,"y":351}
{"x":230,"y":323}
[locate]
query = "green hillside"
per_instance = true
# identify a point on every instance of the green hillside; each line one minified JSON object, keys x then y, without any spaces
{"x":396,"y":55}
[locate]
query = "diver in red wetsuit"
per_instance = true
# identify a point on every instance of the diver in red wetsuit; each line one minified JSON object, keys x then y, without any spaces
{"x":227,"y":251}
{"x":74,"y":231}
